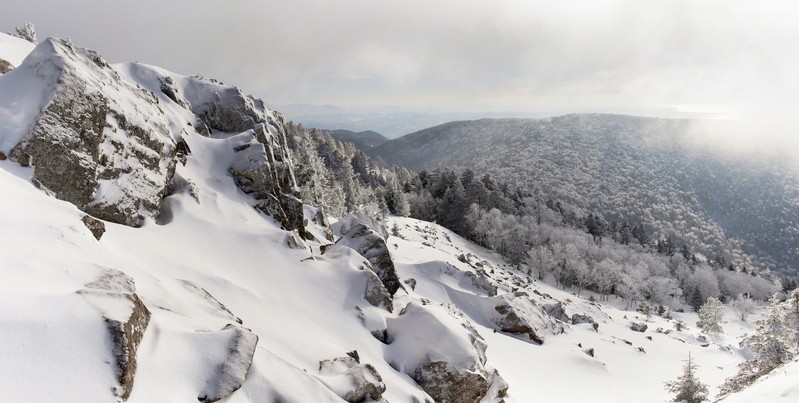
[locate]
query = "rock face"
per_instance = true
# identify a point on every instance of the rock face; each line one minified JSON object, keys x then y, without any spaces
{"x":262,"y":169}
{"x":99,"y":142}
{"x":231,"y":373}
{"x":362,"y":381}
{"x":126,"y":318}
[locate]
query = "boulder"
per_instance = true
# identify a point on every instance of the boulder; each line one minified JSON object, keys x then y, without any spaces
{"x":556,"y":311}
{"x":638,"y":327}
{"x":444,"y":383}
{"x":94,"y":225}
{"x":441,"y":351}
{"x":510,"y":321}
{"x":230,"y":374}
{"x":126,"y":318}
{"x":371,"y":246}
{"x":88,"y":146}
{"x":579,"y":319}
{"x":351,"y":380}
{"x":481,"y":280}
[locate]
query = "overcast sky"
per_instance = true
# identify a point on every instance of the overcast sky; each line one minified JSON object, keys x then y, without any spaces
{"x":728,"y":57}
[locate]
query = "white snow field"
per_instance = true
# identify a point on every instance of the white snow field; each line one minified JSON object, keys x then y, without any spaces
{"x":217,"y":261}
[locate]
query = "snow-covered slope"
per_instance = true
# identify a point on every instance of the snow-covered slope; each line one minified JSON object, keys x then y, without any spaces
{"x":779,"y":386}
{"x":211,"y":299}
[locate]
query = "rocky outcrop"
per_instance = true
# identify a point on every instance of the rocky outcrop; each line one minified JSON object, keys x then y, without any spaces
{"x":556,"y":311}
{"x":262,"y":169}
{"x":371,"y":246}
{"x":232,"y":371}
{"x":638,"y":327}
{"x":89,"y":145}
{"x":481,"y":280}
{"x":444,"y":383}
{"x":5,"y":66}
{"x":351,"y":380}
{"x":126,"y":318}
{"x":94,"y":225}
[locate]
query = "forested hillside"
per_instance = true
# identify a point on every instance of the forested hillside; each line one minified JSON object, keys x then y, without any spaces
{"x":737,"y":210}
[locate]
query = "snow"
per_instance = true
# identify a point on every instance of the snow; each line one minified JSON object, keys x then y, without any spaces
{"x":218,"y":260}
{"x":779,"y":386}
{"x":13,"y":49}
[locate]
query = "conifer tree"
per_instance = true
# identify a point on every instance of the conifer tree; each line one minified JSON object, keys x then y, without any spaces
{"x":771,"y":347}
{"x":688,"y":388}
{"x":711,"y":314}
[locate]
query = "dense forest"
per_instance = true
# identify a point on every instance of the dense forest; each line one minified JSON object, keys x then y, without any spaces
{"x":549,"y":239}
{"x":643,"y":171}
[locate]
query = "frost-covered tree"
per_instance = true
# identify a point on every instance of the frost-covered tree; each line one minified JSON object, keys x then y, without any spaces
{"x":743,"y":306}
{"x":540,"y":261}
{"x":711,"y":315}
{"x":26,"y":32}
{"x":771,"y":345}
{"x":688,"y":388}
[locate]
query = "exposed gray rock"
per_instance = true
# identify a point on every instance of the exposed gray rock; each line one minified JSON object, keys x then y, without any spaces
{"x":511,"y":322}
{"x":126,"y":327}
{"x":87,"y":147}
{"x":481,"y":280}
{"x":556,"y":311}
{"x":446,"y":384}
{"x":5,"y":66}
{"x":363,"y":379}
{"x":638,"y":327}
{"x":589,"y":351}
{"x":411,"y":282}
{"x":578,"y":319}
{"x":94,"y":225}
{"x":376,"y":293}
{"x":231,"y":373}
{"x":371,"y":246}
{"x":320,"y":219}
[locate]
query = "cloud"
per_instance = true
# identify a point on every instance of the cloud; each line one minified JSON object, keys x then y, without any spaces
{"x":452,"y":55}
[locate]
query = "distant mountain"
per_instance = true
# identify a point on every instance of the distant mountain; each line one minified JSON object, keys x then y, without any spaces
{"x":362,"y":140}
{"x":628,"y":168}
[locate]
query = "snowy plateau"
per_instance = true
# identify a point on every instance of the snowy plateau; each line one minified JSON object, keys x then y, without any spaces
{"x":152,"y":250}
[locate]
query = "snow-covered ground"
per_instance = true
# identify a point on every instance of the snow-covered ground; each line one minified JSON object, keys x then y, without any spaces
{"x":213,"y":261}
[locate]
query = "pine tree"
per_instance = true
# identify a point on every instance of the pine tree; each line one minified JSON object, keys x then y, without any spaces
{"x":711,"y":314}
{"x":688,"y":388}
{"x":771,"y":347}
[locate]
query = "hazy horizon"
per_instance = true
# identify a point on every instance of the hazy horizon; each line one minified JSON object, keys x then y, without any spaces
{"x":714,"y":59}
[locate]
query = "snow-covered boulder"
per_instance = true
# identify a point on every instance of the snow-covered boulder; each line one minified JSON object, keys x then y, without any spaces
{"x":444,"y":354}
{"x":372,"y":246}
{"x":348,"y":221}
{"x":231,"y":372}
{"x":93,"y":139}
{"x":351,"y":380}
{"x":126,"y":319}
